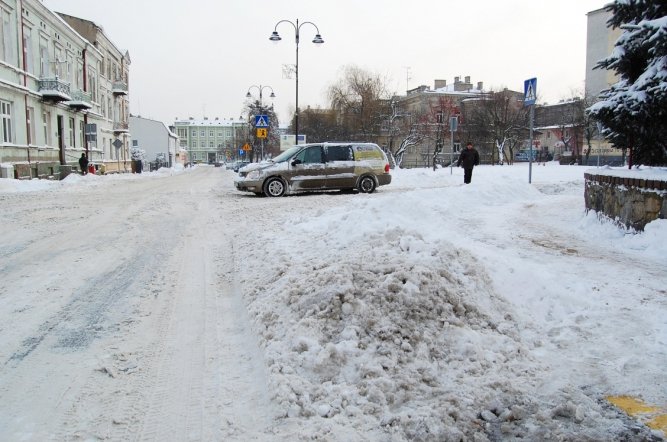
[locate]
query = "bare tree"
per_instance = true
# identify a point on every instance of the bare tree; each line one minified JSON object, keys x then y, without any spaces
{"x":498,"y":119}
{"x":358,"y":98}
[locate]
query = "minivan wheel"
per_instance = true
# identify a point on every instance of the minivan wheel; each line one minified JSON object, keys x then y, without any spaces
{"x":274,"y":187}
{"x":366,"y":184}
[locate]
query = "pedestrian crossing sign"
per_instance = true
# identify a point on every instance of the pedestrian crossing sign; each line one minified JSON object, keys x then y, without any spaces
{"x":529,"y":91}
{"x":261,"y":121}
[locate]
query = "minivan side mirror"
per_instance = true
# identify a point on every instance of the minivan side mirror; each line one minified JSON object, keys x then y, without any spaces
{"x":296,"y":161}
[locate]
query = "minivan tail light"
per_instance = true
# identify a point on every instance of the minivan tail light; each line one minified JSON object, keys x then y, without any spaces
{"x":386,"y":168}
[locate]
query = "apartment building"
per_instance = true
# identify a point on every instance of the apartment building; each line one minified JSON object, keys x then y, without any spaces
{"x":600,"y":40}
{"x":432,"y":110}
{"x":210,"y":141}
{"x":63,"y":92}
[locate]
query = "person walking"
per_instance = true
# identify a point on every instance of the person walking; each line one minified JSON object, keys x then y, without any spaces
{"x":468,"y":159}
{"x":83,"y":164}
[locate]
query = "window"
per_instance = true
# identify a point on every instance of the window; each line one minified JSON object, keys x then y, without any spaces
{"x":203,"y":133}
{"x":27,"y":45}
{"x":210,"y":133}
{"x":7,"y":43}
{"x":6,"y":115}
{"x":46,"y":122}
{"x":339,"y":153}
{"x":194,"y":133}
{"x":310,"y":155}
{"x":135,"y":143}
{"x":71,"y":132}
{"x":92,"y":83}
{"x":31,"y":126}
{"x":228,"y":133}
{"x":210,"y":144}
{"x":82,"y":133}
{"x":44,"y":66}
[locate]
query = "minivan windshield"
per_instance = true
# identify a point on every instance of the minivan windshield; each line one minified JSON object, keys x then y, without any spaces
{"x":289,"y":153}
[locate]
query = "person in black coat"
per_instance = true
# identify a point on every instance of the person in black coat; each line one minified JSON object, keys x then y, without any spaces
{"x":83,"y":163}
{"x":468,"y":159}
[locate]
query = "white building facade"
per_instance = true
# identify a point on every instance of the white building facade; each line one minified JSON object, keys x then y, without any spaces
{"x":158,"y":142}
{"x":56,"y":86}
{"x":211,"y":141}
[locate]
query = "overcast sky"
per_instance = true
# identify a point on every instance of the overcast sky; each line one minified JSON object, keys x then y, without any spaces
{"x":199,"y":58}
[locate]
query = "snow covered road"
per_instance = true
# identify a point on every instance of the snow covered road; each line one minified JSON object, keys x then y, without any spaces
{"x":168,"y":306}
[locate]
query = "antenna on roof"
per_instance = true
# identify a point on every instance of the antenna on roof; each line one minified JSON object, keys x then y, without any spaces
{"x":407,"y":77}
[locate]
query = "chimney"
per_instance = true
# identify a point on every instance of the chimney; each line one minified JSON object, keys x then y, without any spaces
{"x":480,"y":86}
{"x":457,"y":80}
{"x":467,"y":79}
{"x":439,"y":84}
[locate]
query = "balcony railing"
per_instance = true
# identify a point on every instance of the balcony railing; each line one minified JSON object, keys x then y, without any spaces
{"x":121,"y":126}
{"x":81,"y":100}
{"x":119,"y":88}
{"x":54,"y":89}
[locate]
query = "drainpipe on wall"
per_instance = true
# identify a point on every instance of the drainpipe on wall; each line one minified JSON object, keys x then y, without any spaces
{"x":85,"y":115}
{"x":25,"y":83}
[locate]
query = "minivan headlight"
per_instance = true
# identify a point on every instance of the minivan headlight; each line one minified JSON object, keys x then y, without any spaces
{"x":254,"y":175}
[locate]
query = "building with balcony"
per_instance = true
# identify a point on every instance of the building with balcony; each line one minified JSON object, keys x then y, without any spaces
{"x":210,"y":141}
{"x":55,"y":89}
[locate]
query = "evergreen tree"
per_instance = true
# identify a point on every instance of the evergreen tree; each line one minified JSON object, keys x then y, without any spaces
{"x":634,"y":110}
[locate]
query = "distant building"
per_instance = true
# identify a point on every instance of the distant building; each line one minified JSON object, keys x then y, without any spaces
{"x":63,"y":92}
{"x":431,"y":109}
{"x":158,"y":142}
{"x":210,"y":141}
{"x":600,"y":40}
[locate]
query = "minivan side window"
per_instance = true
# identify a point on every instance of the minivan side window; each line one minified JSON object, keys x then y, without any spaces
{"x":310,"y":155}
{"x":339,"y":153}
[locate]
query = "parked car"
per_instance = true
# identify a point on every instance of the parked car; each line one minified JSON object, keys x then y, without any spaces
{"x":239,"y":164}
{"x":318,"y":166}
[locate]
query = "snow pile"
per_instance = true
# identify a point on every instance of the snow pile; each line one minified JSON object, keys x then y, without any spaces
{"x":381,"y":326}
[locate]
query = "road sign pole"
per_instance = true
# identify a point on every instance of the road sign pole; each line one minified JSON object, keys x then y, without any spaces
{"x":530,"y":152}
{"x":453,"y":127}
{"x":529,"y":99}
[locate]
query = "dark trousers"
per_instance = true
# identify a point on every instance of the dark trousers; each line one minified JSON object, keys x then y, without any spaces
{"x":467,"y":175}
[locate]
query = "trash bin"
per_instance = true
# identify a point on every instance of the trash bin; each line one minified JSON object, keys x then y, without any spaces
{"x":91,"y":169}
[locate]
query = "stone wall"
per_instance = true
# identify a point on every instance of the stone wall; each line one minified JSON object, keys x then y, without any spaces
{"x":632,"y":202}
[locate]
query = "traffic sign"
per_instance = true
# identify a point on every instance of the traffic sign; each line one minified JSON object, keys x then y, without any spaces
{"x":117,"y":143}
{"x":262,"y":132}
{"x":246,"y":147}
{"x":261,"y":121}
{"x":529,"y":91}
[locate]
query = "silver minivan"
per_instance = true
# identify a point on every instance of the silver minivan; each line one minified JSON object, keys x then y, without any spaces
{"x":318,"y":166}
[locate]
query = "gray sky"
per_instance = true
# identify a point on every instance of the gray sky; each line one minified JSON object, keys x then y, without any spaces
{"x":201,"y":59}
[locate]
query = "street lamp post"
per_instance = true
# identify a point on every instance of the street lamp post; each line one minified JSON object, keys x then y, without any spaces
{"x":317,"y":40}
{"x":260,"y":88}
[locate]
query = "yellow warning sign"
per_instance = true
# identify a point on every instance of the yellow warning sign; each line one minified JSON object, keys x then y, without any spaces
{"x":246,"y":147}
{"x":262,"y":132}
